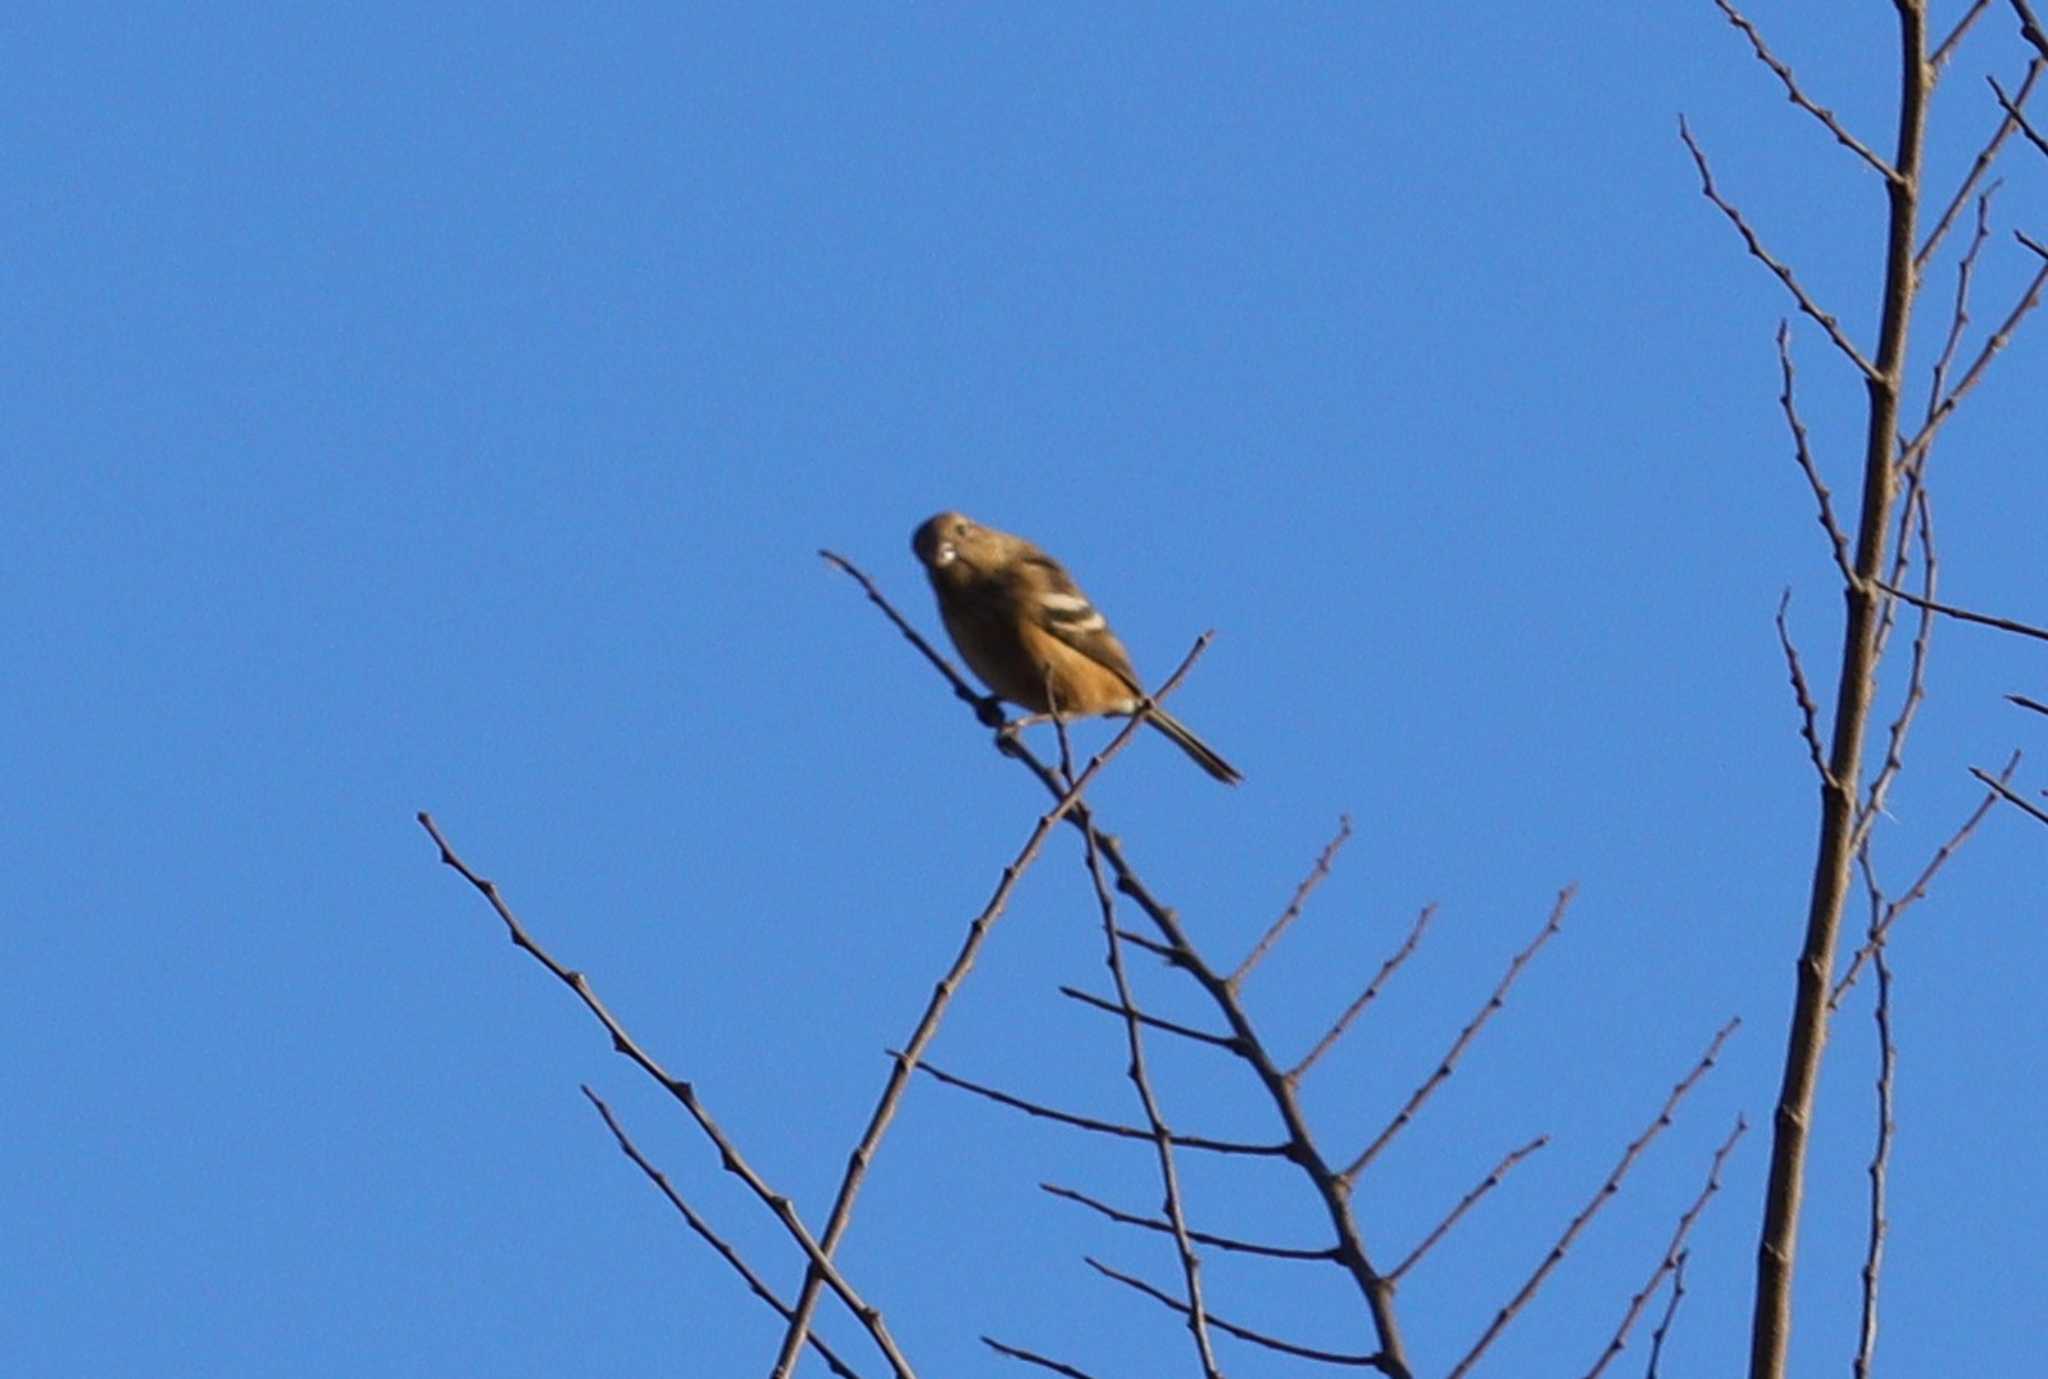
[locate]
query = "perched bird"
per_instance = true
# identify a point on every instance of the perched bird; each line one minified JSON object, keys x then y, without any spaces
{"x":1025,"y":628}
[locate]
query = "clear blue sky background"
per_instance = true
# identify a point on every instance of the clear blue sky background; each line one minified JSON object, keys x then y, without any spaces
{"x":439,"y":407}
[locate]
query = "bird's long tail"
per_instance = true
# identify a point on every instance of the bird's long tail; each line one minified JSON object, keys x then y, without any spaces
{"x":1204,"y":755}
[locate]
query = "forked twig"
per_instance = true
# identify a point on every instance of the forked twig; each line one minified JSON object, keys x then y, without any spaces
{"x":1494,"y":1002}
{"x":1881,"y":926}
{"x":1673,"y":1252}
{"x":735,"y":1163}
{"x":1600,"y":1198}
{"x":725,"y":1251}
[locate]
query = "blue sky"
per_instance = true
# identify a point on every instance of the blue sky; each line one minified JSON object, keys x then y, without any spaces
{"x":440,"y":407}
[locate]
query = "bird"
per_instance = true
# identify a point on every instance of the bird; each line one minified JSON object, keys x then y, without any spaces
{"x":1023,"y":625}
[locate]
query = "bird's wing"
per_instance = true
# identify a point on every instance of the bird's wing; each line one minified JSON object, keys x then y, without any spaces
{"x":1052,"y":601}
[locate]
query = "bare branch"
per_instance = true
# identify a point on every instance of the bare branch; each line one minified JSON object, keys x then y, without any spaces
{"x":1764,"y":256}
{"x":1809,"y":712}
{"x":1880,"y":1162}
{"x":1949,"y":610}
{"x":1200,"y":1036}
{"x":1998,"y":340}
{"x":1494,"y":1002}
{"x":1090,"y":1123}
{"x":2012,"y":104}
{"x":1600,"y":1199}
{"x":1943,"y":50}
{"x":1155,"y":1120}
{"x":1031,"y":1358}
{"x":1293,"y":910}
{"x":1370,"y":994}
{"x":1801,"y":452}
{"x":1670,"y":1314}
{"x":729,"y":1154}
{"x":2020,"y":699}
{"x":1916,"y":676}
{"x":1986,"y":156}
{"x":1221,"y":1242}
{"x":697,"y":1223}
{"x":1799,"y":98}
{"x":1487,"y":1184}
{"x":1881,"y":927}
{"x":2030,"y":26}
{"x":1245,"y":1333}
{"x":2009,"y":795}
{"x":1673,"y":1252}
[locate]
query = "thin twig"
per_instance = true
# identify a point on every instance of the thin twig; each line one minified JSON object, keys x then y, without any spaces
{"x":1293,"y":910}
{"x":1090,"y":1123}
{"x":1804,"y":455}
{"x":2030,"y":26}
{"x":1764,"y":256}
{"x":1200,"y":1036}
{"x":754,"y":1283}
{"x":1916,"y":677}
{"x":1949,"y":610}
{"x":1670,"y":1314}
{"x":1808,"y":711}
{"x":1986,"y":156}
{"x":1881,"y":927}
{"x":729,"y":1154}
{"x":1032,"y":1358}
{"x":1600,"y":1199}
{"x":1799,"y":98}
{"x":1366,"y":998}
{"x":1487,"y":1184}
{"x":1673,"y":1252}
{"x":2020,"y":699}
{"x":1997,"y":341}
{"x":1245,"y":1333}
{"x":2009,"y":795}
{"x":2012,"y":106}
{"x":1148,"y":1099}
{"x":1221,"y":1242}
{"x":1880,"y":1162}
{"x":1494,"y":1002}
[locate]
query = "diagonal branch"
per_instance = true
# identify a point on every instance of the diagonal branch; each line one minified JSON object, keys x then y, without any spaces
{"x":1940,"y":56}
{"x":1799,"y":98}
{"x":729,"y":1155}
{"x":1674,"y":1253}
{"x":1033,"y":1358}
{"x":1600,"y":1199}
{"x":1200,"y":1036}
{"x":1245,"y":1333}
{"x":754,"y":1283}
{"x":1221,"y":1242}
{"x":1141,"y":1082}
{"x":1986,"y":156}
{"x":1670,"y":1314}
{"x":1804,"y":455}
{"x":1765,"y":257}
{"x":2009,"y":795}
{"x":1465,"y":1204}
{"x":1100,"y":1127}
{"x":1436,"y":1079}
{"x":1370,"y":994}
{"x":1293,"y":910}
